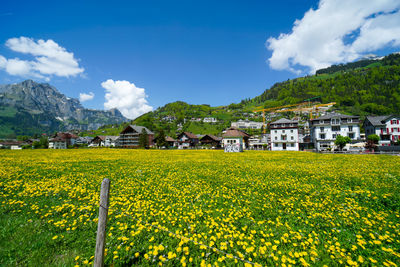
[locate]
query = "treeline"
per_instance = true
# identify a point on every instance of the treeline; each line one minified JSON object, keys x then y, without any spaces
{"x":390,"y":60}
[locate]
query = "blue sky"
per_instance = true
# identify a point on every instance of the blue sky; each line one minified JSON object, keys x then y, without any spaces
{"x":139,"y":55}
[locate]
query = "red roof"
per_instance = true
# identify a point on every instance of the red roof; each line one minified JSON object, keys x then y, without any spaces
{"x":190,"y":135}
{"x":233,"y":132}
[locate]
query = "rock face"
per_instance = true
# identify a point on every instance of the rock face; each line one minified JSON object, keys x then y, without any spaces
{"x":28,"y":105}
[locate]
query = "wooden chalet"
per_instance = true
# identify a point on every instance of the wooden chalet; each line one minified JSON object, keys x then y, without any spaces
{"x":170,"y":141}
{"x":211,"y":140}
{"x":187,"y":140}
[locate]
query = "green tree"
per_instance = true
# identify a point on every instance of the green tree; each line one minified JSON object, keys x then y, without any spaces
{"x":373,"y":138}
{"x":143,"y":139}
{"x":372,"y":141}
{"x":341,"y":141}
{"x":160,"y":139}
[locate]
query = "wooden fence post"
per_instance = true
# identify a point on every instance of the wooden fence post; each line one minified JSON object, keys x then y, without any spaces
{"x":101,"y":226}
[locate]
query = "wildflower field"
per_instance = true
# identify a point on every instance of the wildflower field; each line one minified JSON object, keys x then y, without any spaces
{"x":200,"y":208}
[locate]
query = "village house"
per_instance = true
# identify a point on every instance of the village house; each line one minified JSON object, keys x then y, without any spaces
{"x":284,"y":135}
{"x":58,"y":143}
{"x":211,"y":141}
{"x":386,"y":127}
{"x":235,"y":137}
{"x":105,"y":141}
{"x":246,"y":124}
{"x":210,"y":120}
{"x":187,"y":140}
{"x":129,"y":137}
{"x":85,"y":140}
{"x":171,"y":141}
{"x":70,"y":138}
{"x":260,"y":142}
{"x":325,"y":129}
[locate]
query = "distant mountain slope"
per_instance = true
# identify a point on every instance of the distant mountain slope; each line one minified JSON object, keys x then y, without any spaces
{"x":29,"y":107}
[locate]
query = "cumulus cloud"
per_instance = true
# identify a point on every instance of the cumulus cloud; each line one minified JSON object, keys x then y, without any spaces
{"x":86,"y":97}
{"x":126,"y":97}
{"x":337,"y":31}
{"x":49,"y":59}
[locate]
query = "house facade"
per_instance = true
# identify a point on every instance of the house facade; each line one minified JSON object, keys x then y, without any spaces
{"x":105,"y":141}
{"x":129,"y":137}
{"x":246,"y":124}
{"x":235,"y":137}
{"x":325,"y":129}
{"x":210,"y":120}
{"x":187,"y":140}
{"x":386,"y":127}
{"x":57,"y":143}
{"x":284,"y":135}
{"x":211,"y":140}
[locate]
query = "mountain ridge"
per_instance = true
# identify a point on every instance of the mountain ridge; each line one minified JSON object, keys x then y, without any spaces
{"x":28,"y":105}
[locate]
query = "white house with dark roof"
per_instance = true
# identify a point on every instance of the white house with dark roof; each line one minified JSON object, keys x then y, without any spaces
{"x":325,"y":129}
{"x":284,"y":135}
{"x":386,"y":127}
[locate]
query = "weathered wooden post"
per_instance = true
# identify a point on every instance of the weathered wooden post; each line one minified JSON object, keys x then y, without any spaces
{"x":101,"y":226}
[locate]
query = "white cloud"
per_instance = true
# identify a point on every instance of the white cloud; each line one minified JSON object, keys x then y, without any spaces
{"x":86,"y":97}
{"x":126,"y":97}
{"x":337,"y":31}
{"x":49,"y":59}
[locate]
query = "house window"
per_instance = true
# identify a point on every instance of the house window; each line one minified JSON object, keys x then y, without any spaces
{"x":335,"y":121}
{"x":276,"y":137}
{"x":276,"y":131}
{"x":292,"y":145}
{"x":334,"y":136}
{"x":321,"y":122}
{"x":321,"y":129}
{"x":350,"y":128}
{"x":351,"y":135}
{"x":291,"y":131}
{"x":291,"y":137}
{"x":336,"y":128}
{"x":283,"y":131}
{"x":283,"y":137}
{"x":322,"y":136}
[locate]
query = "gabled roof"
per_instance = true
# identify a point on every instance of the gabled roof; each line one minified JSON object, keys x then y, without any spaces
{"x":137,"y":129}
{"x":169,"y":139}
{"x":283,"y":120}
{"x":233,"y":132}
{"x":67,"y":135}
{"x":188,"y":134}
{"x":335,"y":115}
{"x":58,"y":139}
{"x":213,"y":137}
{"x":379,"y":120}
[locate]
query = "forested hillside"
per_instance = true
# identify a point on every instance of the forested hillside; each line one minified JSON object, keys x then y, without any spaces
{"x":374,"y":89}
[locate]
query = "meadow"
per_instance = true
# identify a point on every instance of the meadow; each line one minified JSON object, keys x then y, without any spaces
{"x":200,"y":208}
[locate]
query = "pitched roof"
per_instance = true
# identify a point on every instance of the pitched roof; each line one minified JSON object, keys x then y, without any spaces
{"x":169,"y":139}
{"x":137,"y":129}
{"x":233,"y":132}
{"x":283,"y":120}
{"x":378,"y":120}
{"x":67,"y":135}
{"x":58,"y":139}
{"x":190,"y":135}
{"x":334,"y":115}
{"x":213,"y":137}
